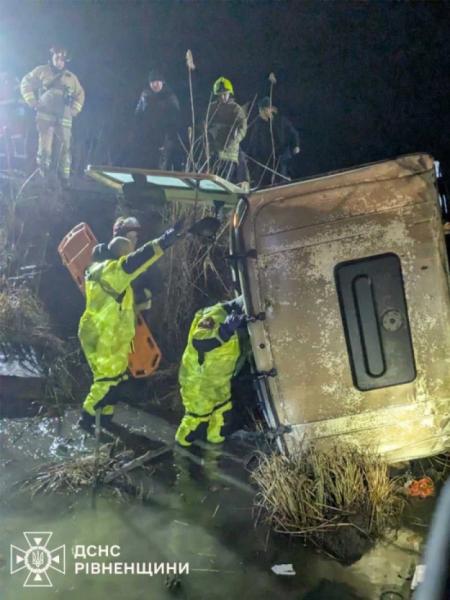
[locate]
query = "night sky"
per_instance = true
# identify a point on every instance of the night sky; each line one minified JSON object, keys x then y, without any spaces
{"x":362,"y":81}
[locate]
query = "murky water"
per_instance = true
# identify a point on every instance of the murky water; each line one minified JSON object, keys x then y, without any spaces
{"x":200,"y":512}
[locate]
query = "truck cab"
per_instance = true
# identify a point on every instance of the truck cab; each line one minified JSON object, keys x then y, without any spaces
{"x":350,"y":275}
{"x":346,"y":284}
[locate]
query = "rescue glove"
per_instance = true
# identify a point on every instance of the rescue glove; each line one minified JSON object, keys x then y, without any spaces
{"x":231,"y":324}
{"x":179,"y":226}
{"x":172,"y":235}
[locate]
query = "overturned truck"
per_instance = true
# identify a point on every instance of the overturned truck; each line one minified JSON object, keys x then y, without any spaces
{"x":345,"y":280}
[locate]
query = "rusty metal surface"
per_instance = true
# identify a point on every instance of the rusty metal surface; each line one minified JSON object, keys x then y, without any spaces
{"x":301,"y":232}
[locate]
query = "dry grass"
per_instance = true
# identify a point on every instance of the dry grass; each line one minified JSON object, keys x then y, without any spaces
{"x":78,"y":474}
{"x":196,"y":275}
{"x":24,"y":323}
{"x":26,"y":337}
{"x":316,"y":490}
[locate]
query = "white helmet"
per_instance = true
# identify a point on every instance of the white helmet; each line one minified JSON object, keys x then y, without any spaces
{"x":123,"y":225}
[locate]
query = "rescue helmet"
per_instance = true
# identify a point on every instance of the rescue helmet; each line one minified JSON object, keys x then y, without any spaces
{"x":58,"y":49}
{"x":123,"y":225}
{"x":222,"y":85}
{"x":119,"y":246}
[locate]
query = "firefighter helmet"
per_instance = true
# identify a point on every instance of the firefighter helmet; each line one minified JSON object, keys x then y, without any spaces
{"x":57,"y":49}
{"x":223,"y":85}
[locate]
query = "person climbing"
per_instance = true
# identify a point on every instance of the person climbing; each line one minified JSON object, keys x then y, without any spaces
{"x":107,"y":325}
{"x":157,"y":118}
{"x":226,"y":126}
{"x":149,"y":283}
{"x":57,"y":96}
{"x":272,"y":141}
{"x":207,"y":367}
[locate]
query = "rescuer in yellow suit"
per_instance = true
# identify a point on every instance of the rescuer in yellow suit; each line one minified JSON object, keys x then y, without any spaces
{"x":108,"y":323}
{"x":57,"y":96}
{"x":207,"y":367}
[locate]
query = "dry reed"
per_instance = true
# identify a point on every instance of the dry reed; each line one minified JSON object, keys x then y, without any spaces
{"x":75,"y":475}
{"x":196,"y":274}
{"x":318,"y":490}
{"x":26,"y":337}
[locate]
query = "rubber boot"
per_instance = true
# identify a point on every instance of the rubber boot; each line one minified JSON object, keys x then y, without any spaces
{"x":87,"y":422}
{"x":65,"y":183}
{"x":106,"y":421}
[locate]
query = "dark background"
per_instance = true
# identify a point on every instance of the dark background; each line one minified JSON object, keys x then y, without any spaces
{"x":362,"y":81}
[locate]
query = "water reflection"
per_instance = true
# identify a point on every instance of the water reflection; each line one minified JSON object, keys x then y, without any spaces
{"x":200,"y":511}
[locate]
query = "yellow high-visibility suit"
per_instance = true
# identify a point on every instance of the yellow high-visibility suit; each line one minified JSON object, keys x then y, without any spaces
{"x":57,"y":97}
{"x":206,"y":370}
{"x":108,"y":323}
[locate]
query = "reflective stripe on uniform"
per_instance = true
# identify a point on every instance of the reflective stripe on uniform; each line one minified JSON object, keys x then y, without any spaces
{"x":46,"y":117}
{"x":123,"y":376}
{"x":192,"y":414}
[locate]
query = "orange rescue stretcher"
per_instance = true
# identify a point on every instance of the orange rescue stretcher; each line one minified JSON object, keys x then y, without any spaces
{"x":75,"y":251}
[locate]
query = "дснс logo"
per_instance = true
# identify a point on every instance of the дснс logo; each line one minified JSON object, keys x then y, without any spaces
{"x":38,"y":559}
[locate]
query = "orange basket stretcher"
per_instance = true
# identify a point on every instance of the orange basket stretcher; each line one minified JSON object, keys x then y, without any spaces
{"x":75,"y":251}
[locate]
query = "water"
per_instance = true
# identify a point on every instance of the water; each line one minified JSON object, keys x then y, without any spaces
{"x":200,"y":512}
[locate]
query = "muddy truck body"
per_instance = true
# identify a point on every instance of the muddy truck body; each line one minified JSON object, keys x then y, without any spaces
{"x":346,"y":283}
